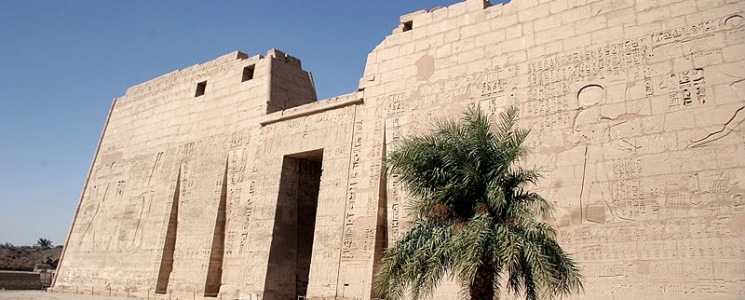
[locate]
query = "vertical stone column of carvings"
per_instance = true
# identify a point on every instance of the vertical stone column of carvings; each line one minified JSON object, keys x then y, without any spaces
{"x":397,"y":219}
{"x":246,"y":221}
{"x":238,"y":213}
{"x":362,"y":218}
{"x":360,"y":211}
{"x":381,"y":224}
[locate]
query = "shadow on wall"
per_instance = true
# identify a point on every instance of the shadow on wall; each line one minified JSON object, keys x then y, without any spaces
{"x":294,"y":226}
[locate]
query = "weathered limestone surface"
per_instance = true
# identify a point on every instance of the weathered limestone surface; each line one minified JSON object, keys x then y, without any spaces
{"x":254,"y":190}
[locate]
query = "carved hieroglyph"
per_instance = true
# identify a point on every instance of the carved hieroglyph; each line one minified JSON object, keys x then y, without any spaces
{"x":228,"y":179}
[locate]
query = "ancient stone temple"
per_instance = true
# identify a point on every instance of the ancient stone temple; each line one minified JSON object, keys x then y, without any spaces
{"x":229,"y":179}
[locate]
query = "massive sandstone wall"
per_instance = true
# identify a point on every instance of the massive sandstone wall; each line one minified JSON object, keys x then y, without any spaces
{"x":636,"y":110}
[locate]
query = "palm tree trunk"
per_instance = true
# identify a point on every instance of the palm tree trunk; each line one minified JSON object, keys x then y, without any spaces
{"x":482,"y":287}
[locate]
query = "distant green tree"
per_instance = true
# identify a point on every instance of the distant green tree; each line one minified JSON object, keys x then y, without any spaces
{"x":44,"y":243}
{"x":474,"y":217}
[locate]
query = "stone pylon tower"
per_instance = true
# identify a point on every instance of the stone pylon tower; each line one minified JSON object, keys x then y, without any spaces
{"x":228,"y":179}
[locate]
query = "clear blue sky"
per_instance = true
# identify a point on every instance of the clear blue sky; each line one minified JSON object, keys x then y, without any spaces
{"x":62,"y":63}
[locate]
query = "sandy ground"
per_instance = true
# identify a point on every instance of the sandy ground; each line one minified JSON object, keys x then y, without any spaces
{"x":42,"y":295}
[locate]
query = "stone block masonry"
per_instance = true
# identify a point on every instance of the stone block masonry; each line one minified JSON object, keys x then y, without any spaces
{"x":229,"y":179}
{"x":19,"y":280}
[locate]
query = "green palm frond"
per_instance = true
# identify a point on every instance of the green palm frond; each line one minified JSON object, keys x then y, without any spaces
{"x":474,"y":214}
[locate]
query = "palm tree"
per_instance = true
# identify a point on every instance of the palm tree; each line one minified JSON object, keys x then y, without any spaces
{"x":474,"y":218}
{"x":44,"y":243}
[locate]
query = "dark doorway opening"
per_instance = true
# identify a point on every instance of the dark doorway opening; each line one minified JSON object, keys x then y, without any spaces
{"x":294,"y":226}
